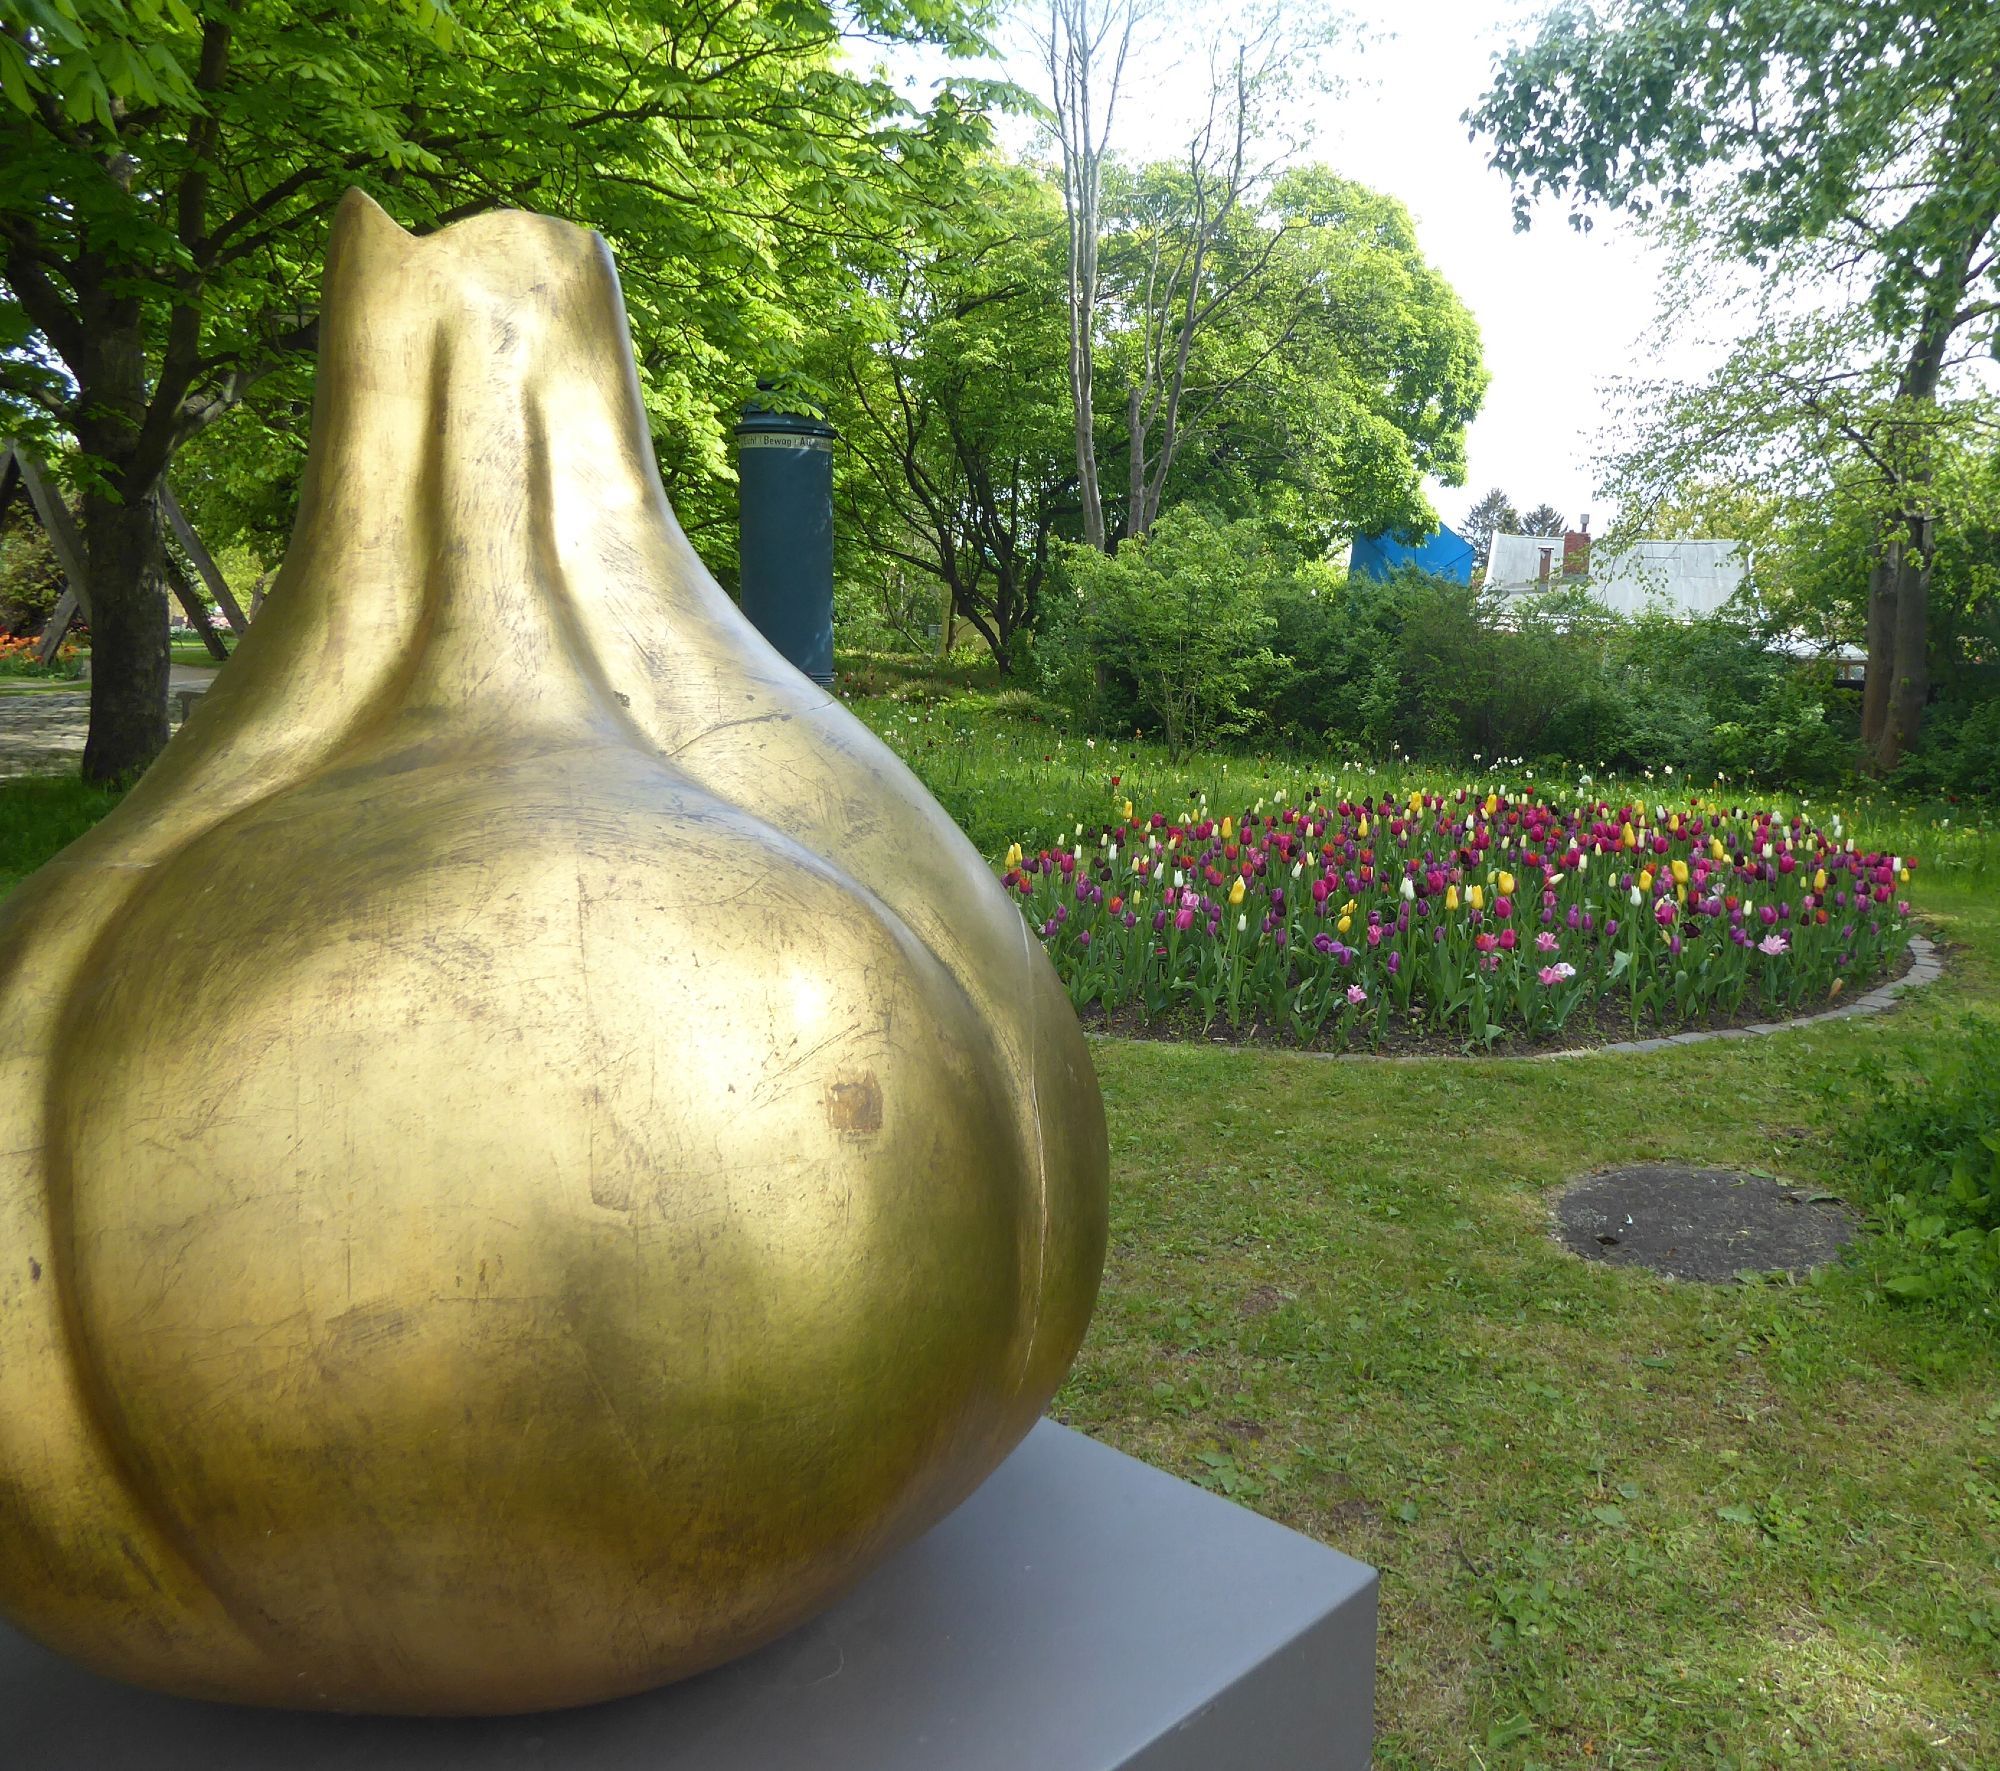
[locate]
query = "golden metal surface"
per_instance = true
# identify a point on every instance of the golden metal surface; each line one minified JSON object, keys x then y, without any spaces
{"x":534,"y":1152}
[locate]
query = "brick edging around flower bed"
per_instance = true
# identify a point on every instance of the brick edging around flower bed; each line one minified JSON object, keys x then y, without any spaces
{"x":1926,"y":967}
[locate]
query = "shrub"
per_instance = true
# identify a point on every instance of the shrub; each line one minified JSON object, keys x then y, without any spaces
{"x":1183,"y":619}
{"x":30,"y":580}
{"x":1960,"y":755}
{"x":1929,"y":1154}
{"x":1209,"y":630}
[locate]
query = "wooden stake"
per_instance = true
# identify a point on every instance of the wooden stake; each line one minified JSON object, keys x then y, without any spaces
{"x":197,"y":610}
{"x":204,"y":563}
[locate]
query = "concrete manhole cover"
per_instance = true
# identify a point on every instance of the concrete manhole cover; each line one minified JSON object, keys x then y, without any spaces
{"x":1700,"y":1223}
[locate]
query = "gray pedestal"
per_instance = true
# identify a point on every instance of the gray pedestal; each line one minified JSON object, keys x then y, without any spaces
{"x":1081,"y":1612}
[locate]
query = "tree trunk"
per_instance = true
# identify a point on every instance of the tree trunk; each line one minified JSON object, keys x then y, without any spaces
{"x":1084,"y":411}
{"x":1884,"y":577}
{"x":125,"y":553}
{"x":1135,"y":478}
{"x":1911,"y":687}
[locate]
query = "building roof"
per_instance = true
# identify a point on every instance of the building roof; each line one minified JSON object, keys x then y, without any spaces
{"x":1685,"y":577}
{"x":1444,"y":553}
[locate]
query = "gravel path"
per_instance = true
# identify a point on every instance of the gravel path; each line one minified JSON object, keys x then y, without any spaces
{"x":42,"y":730}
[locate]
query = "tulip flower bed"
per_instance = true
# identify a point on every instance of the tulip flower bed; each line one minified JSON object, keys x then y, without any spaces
{"x":1460,"y":917}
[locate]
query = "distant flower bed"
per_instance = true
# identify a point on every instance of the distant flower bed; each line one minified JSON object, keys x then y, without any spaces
{"x":1461,"y":918}
{"x":23,"y":657}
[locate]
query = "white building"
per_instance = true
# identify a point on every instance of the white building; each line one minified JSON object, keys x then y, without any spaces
{"x":1682,"y":577}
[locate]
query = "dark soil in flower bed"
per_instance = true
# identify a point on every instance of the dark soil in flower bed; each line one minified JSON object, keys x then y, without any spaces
{"x":1592,"y":1026}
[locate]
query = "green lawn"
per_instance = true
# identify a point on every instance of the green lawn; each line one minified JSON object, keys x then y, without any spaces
{"x":1621,"y":1522}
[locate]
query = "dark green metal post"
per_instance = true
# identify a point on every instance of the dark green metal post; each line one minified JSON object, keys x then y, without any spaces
{"x":785,"y":513}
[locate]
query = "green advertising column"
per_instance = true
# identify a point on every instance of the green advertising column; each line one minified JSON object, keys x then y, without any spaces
{"x":785,"y":487}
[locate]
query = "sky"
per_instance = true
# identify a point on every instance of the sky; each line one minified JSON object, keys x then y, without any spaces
{"x":1561,"y":314}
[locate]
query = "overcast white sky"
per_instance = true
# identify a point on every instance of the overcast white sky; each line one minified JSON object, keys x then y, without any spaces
{"x":1560,"y":313}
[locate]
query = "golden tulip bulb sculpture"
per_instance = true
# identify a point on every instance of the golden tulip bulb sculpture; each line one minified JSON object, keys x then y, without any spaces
{"x":535,"y":1153}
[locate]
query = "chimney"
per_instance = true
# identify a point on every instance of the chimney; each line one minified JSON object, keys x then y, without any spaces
{"x":1548,"y":560}
{"x":1576,"y":552}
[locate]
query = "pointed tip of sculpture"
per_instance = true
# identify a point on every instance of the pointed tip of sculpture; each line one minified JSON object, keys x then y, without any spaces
{"x":359,"y":217}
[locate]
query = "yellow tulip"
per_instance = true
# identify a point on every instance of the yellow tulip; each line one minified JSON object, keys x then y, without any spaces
{"x":1716,"y":852}
{"x":1904,"y":876}
{"x":1361,"y":829}
{"x":1236,"y":890}
{"x":1626,"y":838}
{"x":1819,"y":880}
{"x":1416,"y":800}
{"x":1507,"y":883}
{"x":1492,"y":804}
{"x":1344,"y":924}
{"x":1126,"y":814}
{"x":1228,"y":830}
{"x":1451,"y":897}
{"x":1349,"y":908}
{"x":1680,"y":873}
{"x":1476,"y":897}
{"x":1646,"y":879}
{"x":1013,"y":854}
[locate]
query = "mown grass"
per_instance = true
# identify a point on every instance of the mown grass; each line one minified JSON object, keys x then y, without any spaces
{"x":1621,"y":1522}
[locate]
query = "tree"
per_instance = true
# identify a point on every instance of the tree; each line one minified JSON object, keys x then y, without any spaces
{"x":1084,"y":49}
{"x":1847,"y":137}
{"x":958,"y":434}
{"x":1492,"y":515}
{"x":1544,"y":519}
{"x":1792,"y":445}
{"x":170,"y":165}
{"x":1189,"y":259}
{"x":1333,"y":382}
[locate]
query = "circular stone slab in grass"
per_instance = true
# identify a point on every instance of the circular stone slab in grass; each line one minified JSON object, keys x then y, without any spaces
{"x":1700,"y":1223}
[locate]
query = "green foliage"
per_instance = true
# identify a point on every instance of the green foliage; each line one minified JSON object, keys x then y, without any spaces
{"x":1864,"y":124}
{"x":1342,"y":372}
{"x":184,"y":156}
{"x":1928,"y":1152}
{"x":958,"y":465}
{"x":30,"y":579}
{"x":1829,"y":144}
{"x":1179,"y":625}
{"x":1960,"y":758}
{"x":1494,"y":514}
{"x":1432,"y":669}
